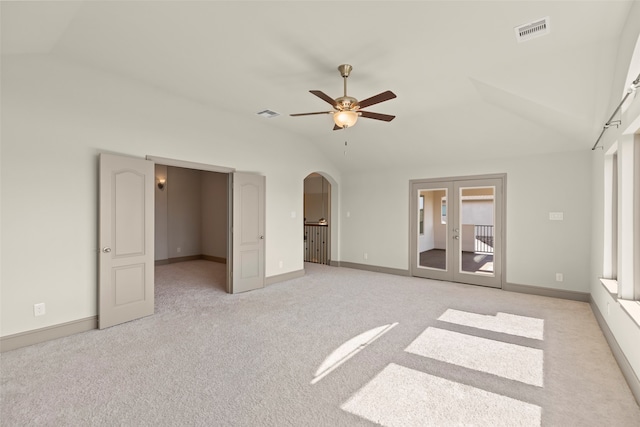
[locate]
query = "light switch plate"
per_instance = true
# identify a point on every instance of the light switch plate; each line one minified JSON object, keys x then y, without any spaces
{"x":556,"y":216}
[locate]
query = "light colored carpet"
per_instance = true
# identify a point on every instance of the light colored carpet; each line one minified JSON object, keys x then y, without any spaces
{"x":209,"y":358}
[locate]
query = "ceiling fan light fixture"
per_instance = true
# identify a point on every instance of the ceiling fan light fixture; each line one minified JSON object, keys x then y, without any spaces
{"x":345,"y":119}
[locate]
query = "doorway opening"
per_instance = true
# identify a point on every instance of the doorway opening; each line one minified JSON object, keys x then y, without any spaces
{"x":191,"y":216}
{"x":317,"y":219}
{"x":457,"y":229}
{"x":126,"y":263}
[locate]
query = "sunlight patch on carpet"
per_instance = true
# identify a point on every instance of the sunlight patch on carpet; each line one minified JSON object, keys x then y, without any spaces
{"x":400,"y":396}
{"x":511,"y":361}
{"x":349,"y":349}
{"x":527,"y":327}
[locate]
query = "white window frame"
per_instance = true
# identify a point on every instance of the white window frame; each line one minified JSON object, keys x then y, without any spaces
{"x":610,"y":261}
{"x":621,"y":263}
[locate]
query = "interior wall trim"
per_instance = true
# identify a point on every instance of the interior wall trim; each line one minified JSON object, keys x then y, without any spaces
{"x":511,"y":287}
{"x":627,"y":371}
{"x":221,"y":260}
{"x":36,"y":336}
{"x":547,"y":292}
{"x":217,"y":259}
{"x":189,"y":165}
{"x":271,"y":280}
{"x":375,"y":268}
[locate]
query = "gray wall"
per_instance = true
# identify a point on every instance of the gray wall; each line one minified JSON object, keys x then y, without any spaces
{"x":58,"y":116}
{"x":184,"y":207}
{"x":625,"y":330}
{"x":161,"y":216}
{"x":536,"y":248}
{"x":191,"y":213}
{"x":214,"y":214}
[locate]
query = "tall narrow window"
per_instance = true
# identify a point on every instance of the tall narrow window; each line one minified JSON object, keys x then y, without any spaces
{"x":614,"y":218}
{"x":610,"y":264}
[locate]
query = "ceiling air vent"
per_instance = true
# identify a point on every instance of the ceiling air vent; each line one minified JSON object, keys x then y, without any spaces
{"x":268,"y":114}
{"x":540,"y":27}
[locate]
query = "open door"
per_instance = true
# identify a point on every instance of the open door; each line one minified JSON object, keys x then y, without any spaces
{"x":248,"y":232}
{"x":126,"y":260}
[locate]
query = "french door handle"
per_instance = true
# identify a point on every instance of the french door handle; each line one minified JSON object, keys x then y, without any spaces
{"x":106,"y":249}
{"x":456,"y":237}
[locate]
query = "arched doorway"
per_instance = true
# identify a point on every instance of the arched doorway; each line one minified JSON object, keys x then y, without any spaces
{"x":317,"y":219}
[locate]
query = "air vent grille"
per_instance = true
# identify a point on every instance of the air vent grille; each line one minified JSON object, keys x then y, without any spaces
{"x":540,"y":27}
{"x":268,"y":113}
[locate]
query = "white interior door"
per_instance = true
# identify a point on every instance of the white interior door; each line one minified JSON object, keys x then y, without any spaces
{"x":126,"y":259}
{"x":457,"y":229}
{"x":248,"y":232}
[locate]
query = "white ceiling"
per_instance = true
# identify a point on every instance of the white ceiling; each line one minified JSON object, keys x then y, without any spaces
{"x":466,"y":89}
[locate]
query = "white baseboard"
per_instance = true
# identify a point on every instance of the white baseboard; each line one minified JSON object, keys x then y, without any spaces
{"x":271,"y":280}
{"x":547,"y":292}
{"x":369,"y":267}
{"x":23,"y":339}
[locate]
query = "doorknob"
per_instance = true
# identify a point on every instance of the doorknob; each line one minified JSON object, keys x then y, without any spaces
{"x":456,"y":237}
{"x":106,"y":249}
{"x":261,"y":237}
{"x":455,"y":230}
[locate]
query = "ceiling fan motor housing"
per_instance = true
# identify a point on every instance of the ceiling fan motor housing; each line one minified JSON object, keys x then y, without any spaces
{"x":346,"y":103}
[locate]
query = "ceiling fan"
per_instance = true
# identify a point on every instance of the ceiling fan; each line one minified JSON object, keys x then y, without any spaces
{"x":346,"y":109}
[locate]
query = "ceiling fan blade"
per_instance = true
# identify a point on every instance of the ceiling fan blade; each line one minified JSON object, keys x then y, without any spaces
{"x":320,"y":94}
{"x":377,"y":116}
{"x":381,"y":97}
{"x":336,"y":127}
{"x":311,"y":114}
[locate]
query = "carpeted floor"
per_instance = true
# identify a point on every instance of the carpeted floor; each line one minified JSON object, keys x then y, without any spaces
{"x":392,"y":350}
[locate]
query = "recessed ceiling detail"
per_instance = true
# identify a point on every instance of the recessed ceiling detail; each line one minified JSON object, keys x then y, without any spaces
{"x":532,"y":30}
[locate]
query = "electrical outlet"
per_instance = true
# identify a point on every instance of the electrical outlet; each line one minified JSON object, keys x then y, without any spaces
{"x":39,"y":309}
{"x":178,"y":249}
{"x":366,"y":255}
{"x":280,"y":264}
{"x":559,"y":277}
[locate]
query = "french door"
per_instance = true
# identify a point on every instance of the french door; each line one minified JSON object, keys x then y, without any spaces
{"x":457,"y":229}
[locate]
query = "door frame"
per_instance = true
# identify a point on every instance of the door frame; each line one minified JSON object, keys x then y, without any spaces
{"x":413,"y":222}
{"x":210,"y":168}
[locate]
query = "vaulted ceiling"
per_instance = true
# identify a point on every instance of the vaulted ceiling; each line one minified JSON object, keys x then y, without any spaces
{"x":466,"y":89}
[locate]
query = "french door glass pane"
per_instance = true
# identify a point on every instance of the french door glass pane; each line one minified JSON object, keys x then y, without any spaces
{"x":477,"y":218}
{"x":433,"y":218}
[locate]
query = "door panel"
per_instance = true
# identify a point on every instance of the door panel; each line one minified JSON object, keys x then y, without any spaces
{"x":456,"y":230}
{"x":431,"y":235}
{"x":248,"y":232}
{"x":478,"y":217}
{"x":126,"y":261}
